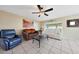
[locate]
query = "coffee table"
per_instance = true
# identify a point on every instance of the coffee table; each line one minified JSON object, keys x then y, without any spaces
{"x":41,"y":36}
{"x":38,"y":38}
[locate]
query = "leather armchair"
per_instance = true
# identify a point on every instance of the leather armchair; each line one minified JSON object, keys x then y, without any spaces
{"x":28,"y":34}
{"x":9,"y":39}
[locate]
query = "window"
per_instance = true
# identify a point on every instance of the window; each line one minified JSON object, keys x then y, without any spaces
{"x":53,"y":26}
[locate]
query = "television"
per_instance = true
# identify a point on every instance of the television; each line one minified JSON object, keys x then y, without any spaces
{"x":73,"y":23}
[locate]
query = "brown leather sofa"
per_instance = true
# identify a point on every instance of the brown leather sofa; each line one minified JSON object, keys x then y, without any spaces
{"x":29,"y":33}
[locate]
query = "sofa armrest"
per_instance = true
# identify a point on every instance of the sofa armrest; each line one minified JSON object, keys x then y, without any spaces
{"x":17,"y":36}
{"x":4,"y":43}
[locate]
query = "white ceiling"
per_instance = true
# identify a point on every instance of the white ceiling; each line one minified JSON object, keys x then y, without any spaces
{"x":26,"y":11}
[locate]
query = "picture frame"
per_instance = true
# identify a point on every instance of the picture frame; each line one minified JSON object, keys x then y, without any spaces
{"x":73,"y":23}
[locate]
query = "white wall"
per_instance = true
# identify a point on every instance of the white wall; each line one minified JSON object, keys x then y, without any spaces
{"x":68,"y":32}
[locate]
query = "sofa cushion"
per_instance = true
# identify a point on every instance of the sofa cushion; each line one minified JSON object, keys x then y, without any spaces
{"x":14,"y":41}
{"x":29,"y":30}
{"x":10,"y":36}
{"x":8,"y":33}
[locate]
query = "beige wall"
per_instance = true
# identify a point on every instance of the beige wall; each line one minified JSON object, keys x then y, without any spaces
{"x":68,"y":32}
{"x":41,"y":24}
{"x":10,"y":21}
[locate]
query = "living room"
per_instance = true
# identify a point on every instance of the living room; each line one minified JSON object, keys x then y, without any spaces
{"x":59,"y":29}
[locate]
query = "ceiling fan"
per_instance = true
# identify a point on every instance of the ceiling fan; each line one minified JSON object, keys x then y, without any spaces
{"x":41,"y":11}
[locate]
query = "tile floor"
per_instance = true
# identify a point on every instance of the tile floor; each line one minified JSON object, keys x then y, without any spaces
{"x":50,"y":46}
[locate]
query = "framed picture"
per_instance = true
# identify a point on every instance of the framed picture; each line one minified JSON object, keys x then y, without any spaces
{"x":73,"y":23}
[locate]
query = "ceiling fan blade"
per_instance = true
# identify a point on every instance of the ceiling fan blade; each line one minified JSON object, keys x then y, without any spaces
{"x":39,"y":7}
{"x":45,"y":14}
{"x":35,"y":12}
{"x":48,"y":10}
{"x":39,"y":15}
